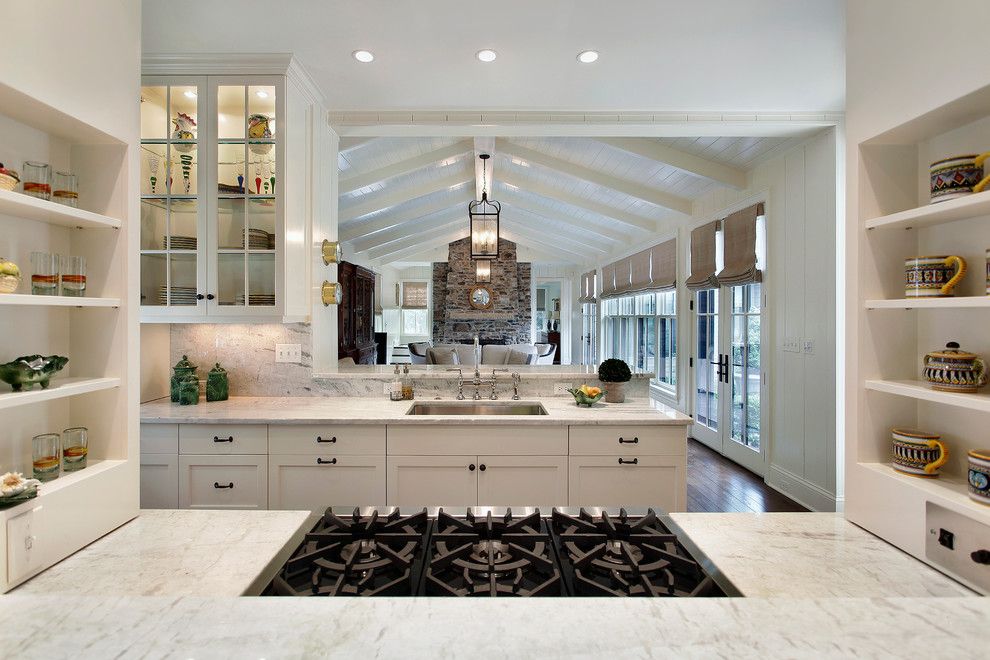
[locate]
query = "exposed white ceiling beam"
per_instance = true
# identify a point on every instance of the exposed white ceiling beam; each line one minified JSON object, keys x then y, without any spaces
{"x":349,"y":143}
{"x":421,"y":224}
{"x":530,"y":221}
{"x":645,"y":193}
{"x":355,"y":230}
{"x":357,"y":181}
{"x":398,"y":254}
{"x":547,"y":238}
{"x":483,"y":145}
{"x":631,"y":219}
{"x":724,"y":175}
{"x":547,"y":245}
{"x":602,"y":230}
{"x":414,"y":239}
{"x":394,"y":198}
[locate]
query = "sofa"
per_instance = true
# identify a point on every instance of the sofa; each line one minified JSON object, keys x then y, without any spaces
{"x":490,"y":354}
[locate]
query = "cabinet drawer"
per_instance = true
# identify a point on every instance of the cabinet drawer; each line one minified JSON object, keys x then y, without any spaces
{"x":223,"y":482}
{"x":159,"y":481}
{"x":298,"y":481}
{"x":159,"y":438}
{"x":317,"y":440}
{"x":223,"y":439}
{"x":638,"y":481}
{"x":427,"y":440}
{"x":628,"y":440}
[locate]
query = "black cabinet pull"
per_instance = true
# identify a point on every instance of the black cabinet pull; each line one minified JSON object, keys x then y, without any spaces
{"x":227,"y":439}
{"x":216,"y":484}
{"x":320,"y":438}
{"x":980,"y":556}
{"x":320,"y":461}
{"x":482,"y":467}
{"x":210,"y":296}
{"x":634,"y":441}
{"x":471,"y":467}
{"x":634,"y":461}
{"x":199,"y":296}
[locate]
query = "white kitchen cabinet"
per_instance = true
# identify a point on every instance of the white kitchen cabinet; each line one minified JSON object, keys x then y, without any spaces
{"x":223,"y":482}
{"x":432,"y":480}
{"x":223,"y":439}
{"x":656,"y":481}
{"x":319,"y":439}
{"x":159,"y":481}
{"x":298,"y":481}
{"x":522,"y":481}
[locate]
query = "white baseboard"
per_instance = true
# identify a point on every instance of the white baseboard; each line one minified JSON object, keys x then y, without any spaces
{"x":800,"y":489}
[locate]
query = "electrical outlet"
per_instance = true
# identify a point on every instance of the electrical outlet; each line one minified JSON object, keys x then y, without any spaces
{"x":809,"y":346}
{"x":288,"y":353}
{"x":561,"y":388}
{"x":791,"y":345}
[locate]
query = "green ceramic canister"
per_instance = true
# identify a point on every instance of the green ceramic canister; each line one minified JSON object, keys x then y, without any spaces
{"x":181,"y":369}
{"x":217,"y":384}
{"x":189,"y":390}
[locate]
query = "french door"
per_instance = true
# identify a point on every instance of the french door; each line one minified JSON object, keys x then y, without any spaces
{"x":728,"y":373}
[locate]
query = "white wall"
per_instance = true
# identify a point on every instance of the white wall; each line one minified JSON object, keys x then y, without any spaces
{"x":799,"y":188}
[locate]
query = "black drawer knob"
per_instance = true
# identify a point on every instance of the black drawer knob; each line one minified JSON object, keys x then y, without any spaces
{"x":320,"y":461}
{"x":320,"y":438}
{"x":634,"y":441}
{"x":482,"y":467}
{"x":210,"y":296}
{"x":471,"y":467}
{"x":634,"y":461}
{"x":218,"y":485}
{"x":980,"y":556}
{"x":227,"y":439}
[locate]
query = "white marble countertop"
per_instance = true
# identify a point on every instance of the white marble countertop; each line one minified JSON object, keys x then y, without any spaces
{"x":363,"y":410}
{"x":529,"y":372}
{"x":175,"y":553}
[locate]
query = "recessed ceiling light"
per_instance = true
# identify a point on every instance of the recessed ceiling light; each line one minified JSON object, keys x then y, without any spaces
{"x":189,"y":94}
{"x":486,"y":55}
{"x":363,"y":56}
{"x":262,"y":94}
{"x":587,"y":56}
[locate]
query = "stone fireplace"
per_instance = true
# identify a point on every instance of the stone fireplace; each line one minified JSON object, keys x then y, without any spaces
{"x":509,"y":319}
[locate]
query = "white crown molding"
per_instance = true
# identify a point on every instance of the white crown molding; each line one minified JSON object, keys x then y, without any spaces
{"x":216,"y":63}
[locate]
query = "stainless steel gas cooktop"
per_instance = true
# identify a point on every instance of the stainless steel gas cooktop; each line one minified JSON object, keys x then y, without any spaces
{"x":493,"y":551}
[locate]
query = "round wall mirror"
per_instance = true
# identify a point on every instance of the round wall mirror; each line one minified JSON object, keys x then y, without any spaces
{"x":481,"y":297}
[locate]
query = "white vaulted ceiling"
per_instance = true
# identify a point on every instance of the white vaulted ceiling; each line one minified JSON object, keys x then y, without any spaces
{"x":573,"y":199}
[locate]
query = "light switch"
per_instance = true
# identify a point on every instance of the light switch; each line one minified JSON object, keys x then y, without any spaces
{"x":809,"y":346}
{"x":288,"y":353}
{"x":23,"y":548}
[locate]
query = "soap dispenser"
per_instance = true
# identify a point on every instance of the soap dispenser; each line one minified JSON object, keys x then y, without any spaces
{"x":395,"y":388}
{"x":407,"y":384}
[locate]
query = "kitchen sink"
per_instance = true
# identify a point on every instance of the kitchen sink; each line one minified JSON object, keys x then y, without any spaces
{"x":477,"y":408}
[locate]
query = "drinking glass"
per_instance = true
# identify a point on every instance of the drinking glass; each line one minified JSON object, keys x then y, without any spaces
{"x":37,"y":179}
{"x":44,"y":280}
{"x":75,"y":446}
{"x":74,"y":276}
{"x":65,"y":190}
{"x":44,"y":454}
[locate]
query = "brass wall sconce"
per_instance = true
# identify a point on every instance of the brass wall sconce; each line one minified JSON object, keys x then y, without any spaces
{"x":331,"y":252}
{"x":330,"y":293}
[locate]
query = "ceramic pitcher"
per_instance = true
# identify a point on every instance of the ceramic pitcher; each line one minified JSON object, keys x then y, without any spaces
{"x":953,"y":370}
{"x":958,"y":176}
{"x":932,"y":277}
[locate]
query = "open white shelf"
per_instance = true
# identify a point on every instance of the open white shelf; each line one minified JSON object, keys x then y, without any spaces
{"x":32,"y":208}
{"x":28,"y":300}
{"x":65,"y":480}
{"x":962,"y":302}
{"x":952,"y":489}
{"x":960,"y":208}
{"x":60,"y":388}
{"x":916,"y":389}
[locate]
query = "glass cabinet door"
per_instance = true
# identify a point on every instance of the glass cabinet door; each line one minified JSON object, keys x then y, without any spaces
{"x":245,"y":218}
{"x":172,"y":269}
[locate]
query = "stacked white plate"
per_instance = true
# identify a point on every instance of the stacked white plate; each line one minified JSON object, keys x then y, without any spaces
{"x":259,"y":239}
{"x":257,"y":299}
{"x":181,"y":295}
{"x":179,"y":242}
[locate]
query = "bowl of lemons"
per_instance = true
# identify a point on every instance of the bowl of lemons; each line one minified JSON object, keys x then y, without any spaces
{"x":586,"y":395}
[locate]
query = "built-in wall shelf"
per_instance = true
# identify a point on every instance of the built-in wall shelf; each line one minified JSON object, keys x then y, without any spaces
{"x":952,"y":489}
{"x":961,"y":208}
{"x":60,"y":388}
{"x":28,"y":300}
{"x":962,"y":302}
{"x":93,"y":469}
{"x":916,"y":389}
{"x":32,"y":208}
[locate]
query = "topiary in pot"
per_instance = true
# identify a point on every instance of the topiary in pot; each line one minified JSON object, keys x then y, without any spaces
{"x":615,"y":374}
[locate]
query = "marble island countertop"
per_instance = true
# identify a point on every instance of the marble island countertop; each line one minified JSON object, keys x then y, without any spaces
{"x":808,"y":577}
{"x":365,"y":410}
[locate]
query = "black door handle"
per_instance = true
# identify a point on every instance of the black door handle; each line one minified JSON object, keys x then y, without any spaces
{"x":320,"y":461}
{"x":227,"y":439}
{"x":319,"y":438}
{"x":634,"y":461}
{"x":720,"y":367}
{"x":482,"y":467}
{"x":471,"y":467}
{"x":216,"y":484}
{"x":634,"y":441}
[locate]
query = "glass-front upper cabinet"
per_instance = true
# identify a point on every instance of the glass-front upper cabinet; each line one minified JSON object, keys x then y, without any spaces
{"x":211,"y":221}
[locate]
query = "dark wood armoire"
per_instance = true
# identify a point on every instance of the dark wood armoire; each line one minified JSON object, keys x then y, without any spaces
{"x":356,"y":313}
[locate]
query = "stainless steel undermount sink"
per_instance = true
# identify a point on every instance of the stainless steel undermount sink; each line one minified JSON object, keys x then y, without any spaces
{"x":476,"y":408}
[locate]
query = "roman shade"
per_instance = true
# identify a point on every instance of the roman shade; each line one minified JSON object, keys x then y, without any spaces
{"x":703,"y":258}
{"x":663,"y":271}
{"x":741,"y":265}
{"x":639,"y":271}
{"x":414,"y":295}
{"x":621,"y":268}
{"x":608,"y":280}
{"x":588,"y":291}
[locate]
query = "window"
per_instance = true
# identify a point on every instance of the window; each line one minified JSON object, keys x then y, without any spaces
{"x":415,"y":322}
{"x":642,"y":331}
{"x":415,"y":309}
{"x":589,"y":333}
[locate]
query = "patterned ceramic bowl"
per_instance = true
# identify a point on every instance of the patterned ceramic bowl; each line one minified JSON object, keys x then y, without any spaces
{"x":582,"y":399}
{"x":979,"y":475}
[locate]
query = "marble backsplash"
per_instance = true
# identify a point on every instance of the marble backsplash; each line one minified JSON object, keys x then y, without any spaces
{"x":247,"y":352}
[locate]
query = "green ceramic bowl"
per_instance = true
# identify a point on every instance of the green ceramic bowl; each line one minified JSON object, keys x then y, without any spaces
{"x":582,"y":399}
{"x":30,"y":369}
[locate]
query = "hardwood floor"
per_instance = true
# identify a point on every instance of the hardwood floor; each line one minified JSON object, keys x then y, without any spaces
{"x":716,"y":484}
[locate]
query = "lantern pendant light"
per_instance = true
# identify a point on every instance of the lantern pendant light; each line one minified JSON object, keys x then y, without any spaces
{"x":483,"y":215}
